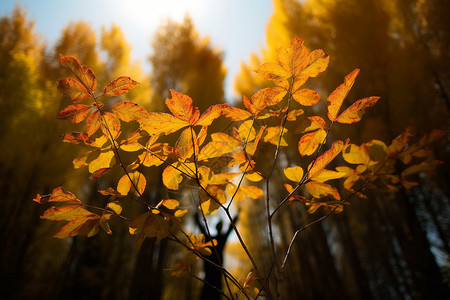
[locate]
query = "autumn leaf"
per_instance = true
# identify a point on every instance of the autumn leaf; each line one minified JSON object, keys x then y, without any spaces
{"x":306,"y":97}
{"x":212,"y":113}
{"x":184,"y":147}
{"x":77,"y":111}
{"x":354,"y":154}
{"x":336,"y":98}
{"x":294,"y":173}
{"x":236,"y":114}
{"x":322,"y":161}
{"x":355,"y":112}
{"x":162,"y":123}
{"x":129,"y":111}
{"x":119,"y":86}
{"x":317,"y":63}
{"x":272,"y":71}
{"x":326,"y":175}
{"x":171,"y":178}
{"x":309,"y":142}
{"x":243,"y":191}
{"x":321,"y":190}
{"x":149,"y":225}
{"x":138,"y":181}
{"x":110,"y":125}
{"x":83,"y":73}
{"x":73,"y":89}
{"x":169,"y":203}
{"x":104,"y":160}
{"x":181,"y":107}
{"x":59,"y":195}
{"x":273,"y":136}
{"x":93,"y":123}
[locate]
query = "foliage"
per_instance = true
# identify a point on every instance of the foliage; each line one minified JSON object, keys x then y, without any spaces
{"x":222,"y":166}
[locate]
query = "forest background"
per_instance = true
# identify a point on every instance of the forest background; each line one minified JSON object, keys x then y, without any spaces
{"x":389,"y":246}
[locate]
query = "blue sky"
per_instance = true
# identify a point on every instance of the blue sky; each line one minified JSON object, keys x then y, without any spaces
{"x":235,"y":26}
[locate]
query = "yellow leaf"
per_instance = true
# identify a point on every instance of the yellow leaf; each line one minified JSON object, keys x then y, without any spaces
{"x":273,"y":136}
{"x":321,"y":190}
{"x":306,"y":97}
{"x":184,"y":145}
{"x":326,"y":175}
{"x":323,"y":160}
{"x":181,"y":107}
{"x":213,"y":149}
{"x":309,"y":142}
{"x":125,"y":185}
{"x":104,"y":160}
{"x":115,"y":206}
{"x":355,"y":112}
{"x":354,"y":154}
{"x":294,"y":173}
{"x":272,"y":71}
{"x":169,"y":203}
{"x":171,"y":178}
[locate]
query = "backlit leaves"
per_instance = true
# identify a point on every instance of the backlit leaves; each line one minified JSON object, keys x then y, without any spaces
{"x":119,"y":86}
{"x":322,"y":161}
{"x":355,"y":112}
{"x":137,"y":183}
{"x":336,"y":98}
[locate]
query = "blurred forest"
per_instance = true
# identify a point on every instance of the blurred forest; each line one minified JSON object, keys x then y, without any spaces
{"x":390,"y":246}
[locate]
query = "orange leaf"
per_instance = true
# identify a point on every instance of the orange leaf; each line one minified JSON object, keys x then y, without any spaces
{"x":236,"y":114}
{"x":73,"y":89}
{"x":213,"y":149}
{"x":184,"y":145}
{"x":162,"y":123}
{"x":110,"y":125}
{"x":171,"y":178}
{"x":317,"y":63}
{"x":272,"y":71}
{"x":83,"y":226}
{"x":212,"y":113}
{"x":139,"y":181}
{"x":355,"y":112}
{"x":149,"y":225}
{"x":293,"y":58}
{"x":323,"y":160}
{"x":119,"y":86}
{"x":66,"y":213}
{"x":244,"y":191}
{"x":129,"y":111}
{"x":309,"y":142}
{"x":78,"y":111}
{"x":93,"y":123}
{"x":321,"y":190}
{"x":83,"y":73}
{"x":181,"y":107}
{"x":306,"y":97}
{"x":337,"y":97}
{"x":230,"y":143}
{"x":266,"y":97}
{"x":310,"y":124}
{"x":58,"y":195}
